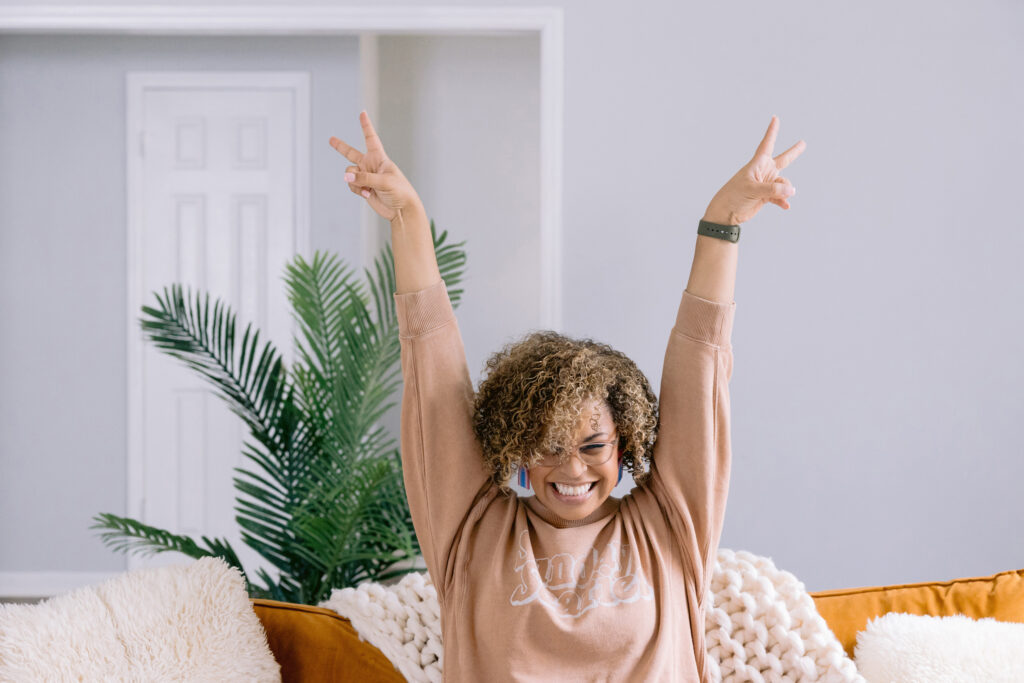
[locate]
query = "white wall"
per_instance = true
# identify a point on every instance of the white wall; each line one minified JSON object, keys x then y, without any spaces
{"x":876,"y":393}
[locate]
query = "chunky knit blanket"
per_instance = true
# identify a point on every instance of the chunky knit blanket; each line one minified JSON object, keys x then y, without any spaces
{"x":761,"y":625}
{"x":403,"y":621}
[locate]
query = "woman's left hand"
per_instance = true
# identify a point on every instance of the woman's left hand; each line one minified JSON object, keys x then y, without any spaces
{"x":755,"y":184}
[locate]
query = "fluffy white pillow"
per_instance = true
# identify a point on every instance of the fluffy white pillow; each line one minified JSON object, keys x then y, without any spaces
{"x":192,"y":622}
{"x":911,"y":648}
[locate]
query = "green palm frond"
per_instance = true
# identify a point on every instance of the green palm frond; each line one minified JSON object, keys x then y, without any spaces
{"x":187,"y":333}
{"x":255,"y":390}
{"x":324,"y":502}
{"x":358,"y":535}
{"x":348,"y":367}
{"x":127,"y":535}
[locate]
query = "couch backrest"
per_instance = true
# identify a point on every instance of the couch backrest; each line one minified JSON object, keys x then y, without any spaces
{"x":314,"y":644}
{"x":848,"y":610}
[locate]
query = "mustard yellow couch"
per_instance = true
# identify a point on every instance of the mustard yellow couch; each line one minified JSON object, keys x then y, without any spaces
{"x":314,"y":644}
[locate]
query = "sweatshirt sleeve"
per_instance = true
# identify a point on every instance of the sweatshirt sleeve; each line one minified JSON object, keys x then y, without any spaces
{"x":692,"y":456}
{"x":441,"y":461}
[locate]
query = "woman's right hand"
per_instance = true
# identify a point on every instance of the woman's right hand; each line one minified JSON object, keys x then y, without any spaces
{"x":375,"y":176}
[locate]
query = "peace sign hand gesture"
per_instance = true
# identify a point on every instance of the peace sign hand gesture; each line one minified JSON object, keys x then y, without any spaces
{"x":375,"y":176}
{"x":755,"y":184}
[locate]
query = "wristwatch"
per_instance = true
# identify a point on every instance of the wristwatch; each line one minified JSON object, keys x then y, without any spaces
{"x":722,"y":232}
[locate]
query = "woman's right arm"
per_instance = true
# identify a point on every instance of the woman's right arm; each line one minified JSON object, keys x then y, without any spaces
{"x":413,"y":247}
{"x":392,"y":196}
{"x":441,"y":461}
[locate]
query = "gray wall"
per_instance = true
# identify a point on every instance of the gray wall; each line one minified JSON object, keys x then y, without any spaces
{"x":63,"y":264}
{"x":472,"y":151}
{"x":874,"y":408}
{"x":81,"y":454}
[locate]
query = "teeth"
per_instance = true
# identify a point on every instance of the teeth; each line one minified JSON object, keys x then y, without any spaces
{"x":572,"y":490}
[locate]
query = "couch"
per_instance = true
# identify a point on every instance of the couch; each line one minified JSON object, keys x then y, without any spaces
{"x":316,"y":644}
{"x":197,"y":622}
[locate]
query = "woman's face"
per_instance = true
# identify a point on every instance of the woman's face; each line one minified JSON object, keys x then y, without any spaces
{"x":572,"y":490}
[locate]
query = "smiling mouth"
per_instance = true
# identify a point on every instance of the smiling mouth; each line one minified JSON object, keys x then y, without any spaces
{"x":578,"y":492}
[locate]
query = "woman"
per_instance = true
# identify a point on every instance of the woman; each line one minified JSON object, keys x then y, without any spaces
{"x":569,"y":584}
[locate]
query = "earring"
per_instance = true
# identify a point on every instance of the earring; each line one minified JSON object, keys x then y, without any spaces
{"x":620,"y":471}
{"x":524,"y":478}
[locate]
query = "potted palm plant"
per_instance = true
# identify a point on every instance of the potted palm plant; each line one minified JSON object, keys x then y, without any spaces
{"x":326,"y":504}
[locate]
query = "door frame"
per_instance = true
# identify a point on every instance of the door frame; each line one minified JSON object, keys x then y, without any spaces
{"x":366,"y":22}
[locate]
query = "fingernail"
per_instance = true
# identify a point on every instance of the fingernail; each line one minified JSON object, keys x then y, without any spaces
{"x":350,"y":177}
{"x":365,"y":193}
{"x":792,"y":191}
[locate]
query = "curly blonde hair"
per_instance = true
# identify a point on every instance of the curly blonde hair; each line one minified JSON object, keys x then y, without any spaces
{"x":532,"y":397}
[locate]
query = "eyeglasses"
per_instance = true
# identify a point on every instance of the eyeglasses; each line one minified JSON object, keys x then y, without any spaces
{"x":591,"y":454}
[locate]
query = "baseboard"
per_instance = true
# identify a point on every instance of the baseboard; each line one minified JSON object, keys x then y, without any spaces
{"x":47,"y":584}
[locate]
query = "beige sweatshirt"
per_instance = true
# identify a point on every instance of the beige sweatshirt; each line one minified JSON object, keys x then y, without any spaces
{"x":526,"y":596}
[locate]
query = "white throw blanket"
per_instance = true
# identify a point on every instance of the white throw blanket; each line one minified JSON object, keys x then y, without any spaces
{"x":760,"y":625}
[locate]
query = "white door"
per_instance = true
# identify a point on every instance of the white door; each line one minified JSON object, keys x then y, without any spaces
{"x":218,"y":201}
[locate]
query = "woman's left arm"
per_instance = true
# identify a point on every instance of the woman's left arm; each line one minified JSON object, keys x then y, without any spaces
{"x":713,"y":273}
{"x":692,"y":456}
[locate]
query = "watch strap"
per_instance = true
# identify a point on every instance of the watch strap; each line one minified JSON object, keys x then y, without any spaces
{"x":730,"y":233}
